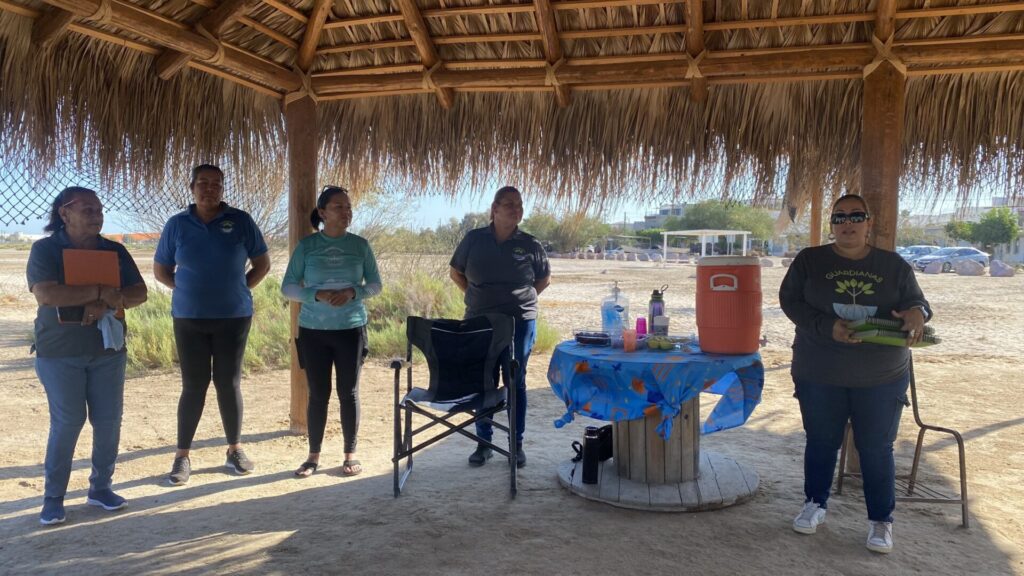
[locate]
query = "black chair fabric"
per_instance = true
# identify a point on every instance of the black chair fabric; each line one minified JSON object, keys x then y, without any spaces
{"x":464,"y":359}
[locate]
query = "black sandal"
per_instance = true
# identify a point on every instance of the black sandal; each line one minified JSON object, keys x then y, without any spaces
{"x":351,"y":468}
{"x":307,"y":469}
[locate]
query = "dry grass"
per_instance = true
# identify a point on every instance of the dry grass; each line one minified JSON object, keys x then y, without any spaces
{"x":102,"y":104}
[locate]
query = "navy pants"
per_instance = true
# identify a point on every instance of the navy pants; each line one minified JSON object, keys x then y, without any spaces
{"x":526,"y":335}
{"x":80,"y":387}
{"x":875,"y":414}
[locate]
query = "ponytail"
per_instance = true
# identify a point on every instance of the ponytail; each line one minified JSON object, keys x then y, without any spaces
{"x":326,"y":194}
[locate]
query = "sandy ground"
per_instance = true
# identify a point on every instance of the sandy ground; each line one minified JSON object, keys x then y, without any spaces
{"x":457,"y":520}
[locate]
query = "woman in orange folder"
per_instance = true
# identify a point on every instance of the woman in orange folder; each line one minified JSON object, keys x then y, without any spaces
{"x":839,"y":378}
{"x":80,"y":366}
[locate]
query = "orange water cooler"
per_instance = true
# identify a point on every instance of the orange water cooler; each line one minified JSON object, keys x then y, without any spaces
{"x":729,"y":304}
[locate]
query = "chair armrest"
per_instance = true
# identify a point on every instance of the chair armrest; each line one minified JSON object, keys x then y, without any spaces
{"x":399,"y":363}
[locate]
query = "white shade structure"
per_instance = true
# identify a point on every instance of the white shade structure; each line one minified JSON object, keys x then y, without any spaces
{"x":704,"y":235}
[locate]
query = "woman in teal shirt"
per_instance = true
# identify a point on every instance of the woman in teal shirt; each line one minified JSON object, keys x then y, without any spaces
{"x":331,"y":272}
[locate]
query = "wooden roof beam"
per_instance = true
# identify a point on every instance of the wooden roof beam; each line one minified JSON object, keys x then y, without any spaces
{"x":960,"y":10}
{"x":51,"y":26}
{"x":286,"y":9}
{"x":169,"y":34}
{"x":382,"y":45}
{"x":832,"y":62}
{"x":169,"y":62}
{"x":425,"y":46}
{"x":314,"y":28}
{"x":695,"y":46}
{"x":552,"y":45}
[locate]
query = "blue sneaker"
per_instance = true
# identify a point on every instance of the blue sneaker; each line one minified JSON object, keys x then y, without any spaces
{"x":53,"y":511}
{"x":106,"y":499}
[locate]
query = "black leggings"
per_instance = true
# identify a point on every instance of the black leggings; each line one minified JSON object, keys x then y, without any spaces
{"x":210,"y":347}
{"x":344,"y":350}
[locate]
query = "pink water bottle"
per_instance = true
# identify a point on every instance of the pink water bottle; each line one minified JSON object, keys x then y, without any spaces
{"x":641,"y":326}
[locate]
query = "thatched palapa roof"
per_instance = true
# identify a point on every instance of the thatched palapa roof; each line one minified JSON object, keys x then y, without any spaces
{"x":572,"y":99}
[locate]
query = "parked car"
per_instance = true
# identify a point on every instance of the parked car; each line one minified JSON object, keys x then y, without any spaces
{"x":950,"y":256}
{"x":912,"y":253}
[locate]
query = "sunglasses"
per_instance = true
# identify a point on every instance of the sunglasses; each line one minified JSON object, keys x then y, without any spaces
{"x":852,"y":217}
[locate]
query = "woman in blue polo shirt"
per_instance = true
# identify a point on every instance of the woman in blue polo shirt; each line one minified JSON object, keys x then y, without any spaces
{"x":82,"y":374}
{"x":331,"y":272}
{"x":202,"y":257}
{"x":503,"y":270}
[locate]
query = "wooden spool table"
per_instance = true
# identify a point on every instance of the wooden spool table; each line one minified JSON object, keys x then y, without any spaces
{"x":647,"y":471}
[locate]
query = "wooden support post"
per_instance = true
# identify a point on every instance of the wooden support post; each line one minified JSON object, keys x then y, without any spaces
{"x":881,"y":150}
{"x":815,"y":239}
{"x":303,"y":137}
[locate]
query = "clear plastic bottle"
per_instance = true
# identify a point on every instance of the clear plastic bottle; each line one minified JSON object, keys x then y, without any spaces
{"x":615,"y":314}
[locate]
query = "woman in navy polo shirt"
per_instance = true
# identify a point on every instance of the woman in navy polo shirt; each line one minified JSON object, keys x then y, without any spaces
{"x":80,"y":373}
{"x":502,"y":270}
{"x":331,"y":273}
{"x":202,"y":257}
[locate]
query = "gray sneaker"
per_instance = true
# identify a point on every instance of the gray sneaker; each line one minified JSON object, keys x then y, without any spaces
{"x":180,"y":471}
{"x":239,"y":462}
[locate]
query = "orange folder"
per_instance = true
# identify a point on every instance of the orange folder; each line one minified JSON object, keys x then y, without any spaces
{"x":85,"y":268}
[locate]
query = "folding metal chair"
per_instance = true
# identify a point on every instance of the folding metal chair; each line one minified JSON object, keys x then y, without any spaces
{"x":907,"y":484}
{"x":463,"y":358}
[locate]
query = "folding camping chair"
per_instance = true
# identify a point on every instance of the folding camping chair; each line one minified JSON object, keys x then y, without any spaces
{"x":462,"y":357}
{"x":908,"y":484}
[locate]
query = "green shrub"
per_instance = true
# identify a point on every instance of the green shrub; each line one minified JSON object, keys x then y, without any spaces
{"x":411,"y":293}
{"x":151,"y":334}
{"x":547,"y":336}
{"x":269,"y":344}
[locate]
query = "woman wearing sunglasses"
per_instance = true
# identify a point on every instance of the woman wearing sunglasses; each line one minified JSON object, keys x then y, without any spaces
{"x":331,"y":272}
{"x":840,"y":378}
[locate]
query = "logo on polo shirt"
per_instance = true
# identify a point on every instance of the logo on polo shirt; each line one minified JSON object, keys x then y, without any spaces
{"x":519,"y":253}
{"x":227,"y":226}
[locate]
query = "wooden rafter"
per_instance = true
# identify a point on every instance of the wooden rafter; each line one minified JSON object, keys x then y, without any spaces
{"x":169,"y":62}
{"x":51,"y":26}
{"x":314,"y":28}
{"x":424,"y":45}
{"x":847,"y":61}
{"x":885,"y":19}
{"x":384,"y":44}
{"x":286,"y":9}
{"x":552,"y":44}
{"x":158,"y":30}
{"x":695,"y":45}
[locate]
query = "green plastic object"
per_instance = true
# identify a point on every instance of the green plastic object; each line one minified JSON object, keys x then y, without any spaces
{"x":882,"y":324}
{"x":894,"y":338}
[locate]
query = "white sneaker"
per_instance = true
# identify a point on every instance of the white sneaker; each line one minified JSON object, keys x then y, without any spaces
{"x":809,"y":518}
{"x":880,"y":537}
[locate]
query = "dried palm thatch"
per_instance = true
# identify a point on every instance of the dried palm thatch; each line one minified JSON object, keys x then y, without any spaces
{"x":754,"y":138}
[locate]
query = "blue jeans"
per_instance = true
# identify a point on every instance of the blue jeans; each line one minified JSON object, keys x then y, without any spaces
{"x":875,"y":414}
{"x":526,"y":335}
{"x":77,"y":386}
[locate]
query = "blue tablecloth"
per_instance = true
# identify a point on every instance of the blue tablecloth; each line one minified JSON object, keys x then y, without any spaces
{"x":610,"y":384}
